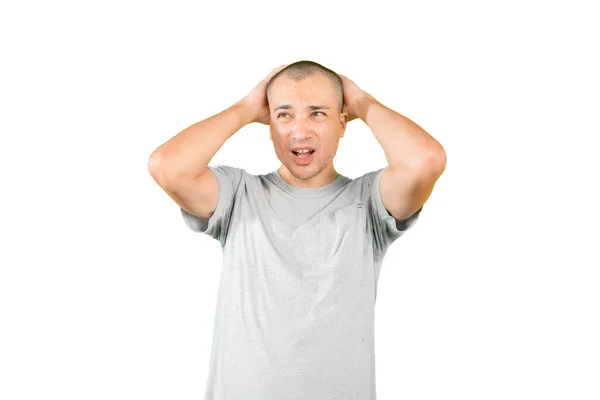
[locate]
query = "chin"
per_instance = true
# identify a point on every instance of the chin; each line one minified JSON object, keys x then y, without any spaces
{"x":304,"y":172}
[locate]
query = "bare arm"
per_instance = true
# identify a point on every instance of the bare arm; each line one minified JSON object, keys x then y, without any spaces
{"x":415,"y":159}
{"x":180,"y":165}
{"x":189,"y":152}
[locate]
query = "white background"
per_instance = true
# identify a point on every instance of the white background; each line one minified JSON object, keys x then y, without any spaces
{"x":106,"y":294}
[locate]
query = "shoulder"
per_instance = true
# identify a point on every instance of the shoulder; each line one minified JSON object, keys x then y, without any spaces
{"x":363,"y":184}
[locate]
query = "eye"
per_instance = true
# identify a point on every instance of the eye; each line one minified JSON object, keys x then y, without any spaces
{"x":319,"y":112}
{"x":282,"y":114}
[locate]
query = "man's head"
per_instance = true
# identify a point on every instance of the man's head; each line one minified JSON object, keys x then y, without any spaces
{"x":302,"y":69}
{"x":306,"y":101}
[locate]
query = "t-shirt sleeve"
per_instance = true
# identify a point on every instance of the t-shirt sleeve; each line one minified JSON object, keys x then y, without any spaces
{"x":217,"y":226}
{"x":385,"y":228}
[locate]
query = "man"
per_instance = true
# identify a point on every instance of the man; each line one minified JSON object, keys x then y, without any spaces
{"x":302,"y":245}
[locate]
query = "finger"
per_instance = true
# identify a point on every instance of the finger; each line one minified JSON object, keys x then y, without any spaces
{"x":276,"y":70}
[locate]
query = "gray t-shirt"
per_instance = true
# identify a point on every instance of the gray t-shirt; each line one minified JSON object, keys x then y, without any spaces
{"x":295,"y":309}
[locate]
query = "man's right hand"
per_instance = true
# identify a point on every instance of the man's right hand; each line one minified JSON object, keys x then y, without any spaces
{"x":257,"y":98}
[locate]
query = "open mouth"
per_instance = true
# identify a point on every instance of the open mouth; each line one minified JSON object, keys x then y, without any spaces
{"x":303,"y":155}
{"x":303,"y":158}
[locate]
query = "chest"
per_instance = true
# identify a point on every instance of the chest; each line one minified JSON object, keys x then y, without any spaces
{"x":320,"y":234}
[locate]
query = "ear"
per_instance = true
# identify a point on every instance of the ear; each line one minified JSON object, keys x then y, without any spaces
{"x":343,"y":122}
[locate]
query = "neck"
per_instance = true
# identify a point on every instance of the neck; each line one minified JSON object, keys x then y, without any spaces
{"x":322,"y":178}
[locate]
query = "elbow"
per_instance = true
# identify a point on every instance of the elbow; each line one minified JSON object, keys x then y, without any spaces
{"x":439,"y":160}
{"x":156,"y":167}
{"x":434,"y":163}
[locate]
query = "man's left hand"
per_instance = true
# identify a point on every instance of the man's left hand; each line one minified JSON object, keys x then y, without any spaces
{"x":354,"y":99}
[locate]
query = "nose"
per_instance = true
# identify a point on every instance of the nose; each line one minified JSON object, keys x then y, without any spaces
{"x":301,"y":130}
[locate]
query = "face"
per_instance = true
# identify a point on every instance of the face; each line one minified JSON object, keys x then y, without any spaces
{"x":306,"y":113}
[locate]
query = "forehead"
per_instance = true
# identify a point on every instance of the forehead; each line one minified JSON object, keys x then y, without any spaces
{"x":315,"y":88}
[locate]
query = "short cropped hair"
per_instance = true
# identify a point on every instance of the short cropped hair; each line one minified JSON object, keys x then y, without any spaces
{"x":302,"y":69}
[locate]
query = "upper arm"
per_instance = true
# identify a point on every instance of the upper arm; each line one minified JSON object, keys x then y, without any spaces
{"x":198,"y":195}
{"x":405,"y":191}
{"x":207,"y":200}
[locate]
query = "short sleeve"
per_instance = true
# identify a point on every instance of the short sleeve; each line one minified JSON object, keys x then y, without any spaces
{"x":385,"y":228}
{"x":217,"y":226}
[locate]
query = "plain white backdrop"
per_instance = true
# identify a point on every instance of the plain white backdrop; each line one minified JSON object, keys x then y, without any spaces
{"x":493,"y":294}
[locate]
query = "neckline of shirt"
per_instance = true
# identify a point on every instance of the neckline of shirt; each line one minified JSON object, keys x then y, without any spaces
{"x":331,"y":187}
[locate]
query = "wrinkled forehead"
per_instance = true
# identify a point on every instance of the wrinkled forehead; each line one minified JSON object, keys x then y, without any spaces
{"x":315,"y":88}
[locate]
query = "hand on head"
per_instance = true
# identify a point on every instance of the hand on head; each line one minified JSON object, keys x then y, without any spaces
{"x":352,"y":95}
{"x":258,"y":98}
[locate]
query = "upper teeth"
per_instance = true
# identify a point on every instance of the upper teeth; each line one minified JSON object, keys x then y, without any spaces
{"x":302,"y":151}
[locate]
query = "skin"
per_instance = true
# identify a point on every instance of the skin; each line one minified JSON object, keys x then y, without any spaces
{"x":415,"y":159}
{"x":298,"y":124}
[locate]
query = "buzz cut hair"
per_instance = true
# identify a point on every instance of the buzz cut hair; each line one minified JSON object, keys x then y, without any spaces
{"x":305,"y":68}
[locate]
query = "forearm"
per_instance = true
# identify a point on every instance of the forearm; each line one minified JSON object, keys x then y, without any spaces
{"x":189,"y":152}
{"x":404,"y":143}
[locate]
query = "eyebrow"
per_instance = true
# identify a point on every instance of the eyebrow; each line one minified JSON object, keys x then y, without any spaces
{"x":310,"y":108}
